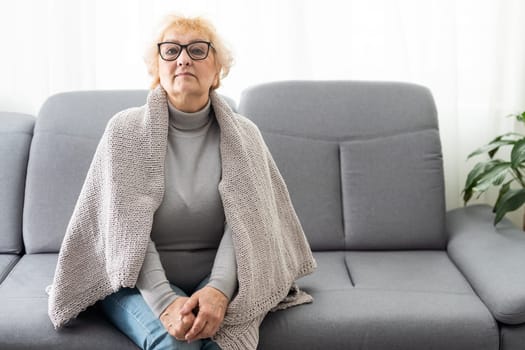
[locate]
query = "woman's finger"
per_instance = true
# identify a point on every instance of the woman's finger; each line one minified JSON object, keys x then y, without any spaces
{"x":190,"y":304}
{"x":206,"y":332}
{"x":198,"y":326}
{"x":181,"y":327}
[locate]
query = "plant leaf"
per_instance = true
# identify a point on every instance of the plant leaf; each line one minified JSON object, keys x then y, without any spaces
{"x":520,"y":117}
{"x":504,"y":189}
{"x":511,"y":200}
{"x":491,"y":148}
{"x":478,"y":170}
{"x":499,"y":180}
{"x":491,"y":176}
{"x":516,"y":134}
{"x":474,"y":175}
{"x":467,"y":195}
{"x":517,"y":156}
{"x":472,"y":178}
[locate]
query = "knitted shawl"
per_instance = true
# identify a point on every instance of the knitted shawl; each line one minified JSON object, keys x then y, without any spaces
{"x":107,"y":236}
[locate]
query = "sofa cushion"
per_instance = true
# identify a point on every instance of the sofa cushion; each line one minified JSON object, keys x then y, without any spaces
{"x":16,"y":131}
{"x":382,"y":320}
{"x":24,"y":323}
{"x":338,"y":110}
{"x":409,"y":310}
{"x":370,"y":141}
{"x":66,"y":135}
{"x":389,"y":185}
{"x":411,"y":271}
{"x":352,"y":306}
{"x":67,"y":132}
{"x":316,"y":186}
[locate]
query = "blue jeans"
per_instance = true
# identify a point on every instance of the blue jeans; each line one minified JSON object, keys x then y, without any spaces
{"x":128,"y":311}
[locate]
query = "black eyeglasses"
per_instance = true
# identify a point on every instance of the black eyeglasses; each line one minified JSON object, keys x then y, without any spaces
{"x":197,"y":50}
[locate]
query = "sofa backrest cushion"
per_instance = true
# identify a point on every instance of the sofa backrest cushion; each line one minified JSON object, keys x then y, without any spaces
{"x":362,"y":160}
{"x":16,"y":131}
{"x":68,"y":129}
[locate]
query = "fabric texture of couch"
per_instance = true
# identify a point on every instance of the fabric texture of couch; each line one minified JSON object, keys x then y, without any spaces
{"x":363,"y":164}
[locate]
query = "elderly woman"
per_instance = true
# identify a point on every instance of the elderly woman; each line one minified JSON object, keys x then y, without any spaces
{"x":184,"y":228}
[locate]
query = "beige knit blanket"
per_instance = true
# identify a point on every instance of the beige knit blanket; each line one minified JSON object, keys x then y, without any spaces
{"x":106,"y":238}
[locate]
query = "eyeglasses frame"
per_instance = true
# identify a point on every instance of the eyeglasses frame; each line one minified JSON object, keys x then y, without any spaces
{"x":185,"y":47}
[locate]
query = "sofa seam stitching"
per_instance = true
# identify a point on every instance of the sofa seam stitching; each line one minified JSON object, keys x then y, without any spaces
{"x":346,"y":138}
{"x":14,"y":265}
{"x":66,"y":134}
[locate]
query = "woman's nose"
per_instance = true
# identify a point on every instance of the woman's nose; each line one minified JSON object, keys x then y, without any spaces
{"x":184,"y":59}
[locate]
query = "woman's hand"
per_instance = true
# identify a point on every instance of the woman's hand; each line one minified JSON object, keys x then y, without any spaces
{"x":175,"y":323}
{"x":212,"y":305}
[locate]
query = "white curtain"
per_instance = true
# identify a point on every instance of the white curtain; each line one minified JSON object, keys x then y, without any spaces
{"x":470,"y":53}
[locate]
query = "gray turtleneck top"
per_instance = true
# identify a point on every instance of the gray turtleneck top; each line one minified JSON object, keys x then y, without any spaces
{"x":190,"y":236}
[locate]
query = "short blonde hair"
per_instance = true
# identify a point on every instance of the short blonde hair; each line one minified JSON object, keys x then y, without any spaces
{"x":223,"y":56}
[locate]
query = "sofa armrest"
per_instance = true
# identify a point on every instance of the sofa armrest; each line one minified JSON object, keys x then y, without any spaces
{"x":491,"y":258}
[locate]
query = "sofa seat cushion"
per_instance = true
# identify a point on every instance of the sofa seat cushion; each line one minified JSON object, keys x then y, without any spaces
{"x":7,"y":261}
{"x":24,"y":323}
{"x":367,"y":300}
{"x":429,"y":271}
{"x":377,"y":302}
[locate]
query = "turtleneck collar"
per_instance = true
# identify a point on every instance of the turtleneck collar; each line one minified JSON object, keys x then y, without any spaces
{"x":189,"y":121}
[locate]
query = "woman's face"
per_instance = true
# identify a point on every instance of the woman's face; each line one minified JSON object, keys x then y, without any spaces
{"x":187,"y":81}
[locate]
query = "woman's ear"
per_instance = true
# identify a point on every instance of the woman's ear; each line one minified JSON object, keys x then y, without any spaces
{"x":216,"y":80}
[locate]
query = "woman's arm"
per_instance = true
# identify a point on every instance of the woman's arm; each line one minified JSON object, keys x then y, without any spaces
{"x":162,"y":300}
{"x":224,"y":273}
{"x":153,"y":284}
{"x":213,"y":299}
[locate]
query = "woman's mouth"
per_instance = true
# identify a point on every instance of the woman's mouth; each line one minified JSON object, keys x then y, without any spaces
{"x":184,"y":74}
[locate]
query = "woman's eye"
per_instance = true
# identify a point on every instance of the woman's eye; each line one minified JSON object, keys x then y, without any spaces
{"x":172,"y":51}
{"x":197,"y":51}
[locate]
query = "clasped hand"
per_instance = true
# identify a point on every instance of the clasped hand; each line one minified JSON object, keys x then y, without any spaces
{"x":180,"y":321}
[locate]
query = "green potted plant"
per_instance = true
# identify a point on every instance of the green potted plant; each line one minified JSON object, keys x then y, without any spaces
{"x":500,"y":173}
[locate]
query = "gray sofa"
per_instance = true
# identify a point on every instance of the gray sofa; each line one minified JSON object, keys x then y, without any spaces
{"x":363,"y":164}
